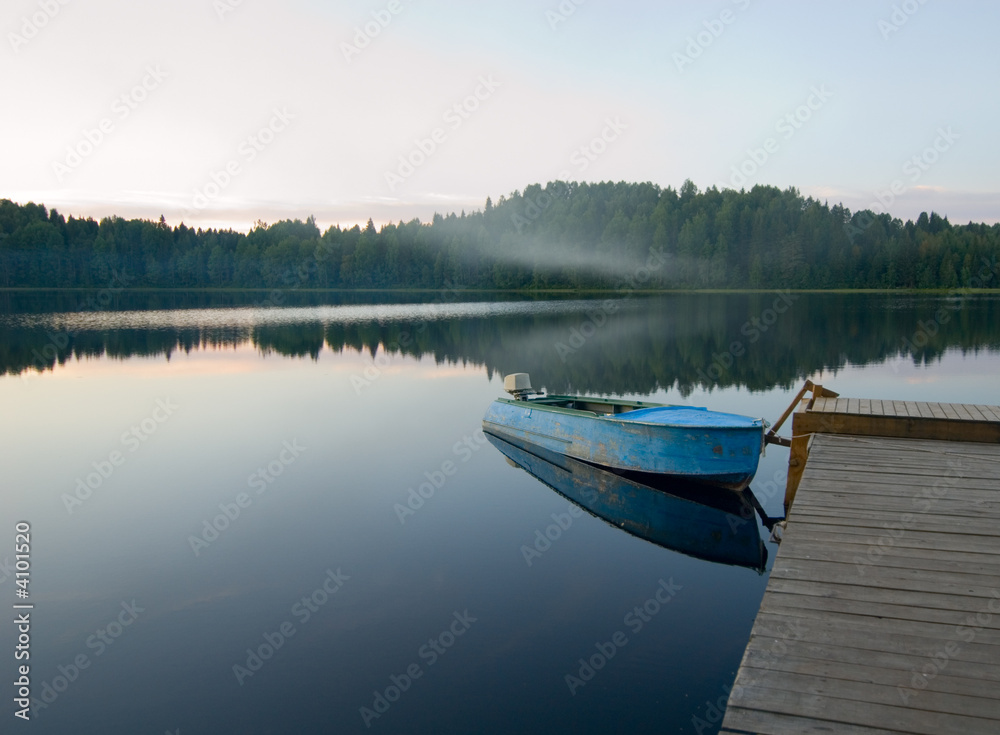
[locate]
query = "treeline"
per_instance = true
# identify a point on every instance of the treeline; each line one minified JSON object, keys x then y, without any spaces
{"x":565,"y":235}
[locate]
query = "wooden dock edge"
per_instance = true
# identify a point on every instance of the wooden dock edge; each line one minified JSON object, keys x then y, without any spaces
{"x":806,"y":423}
{"x":882,"y":608}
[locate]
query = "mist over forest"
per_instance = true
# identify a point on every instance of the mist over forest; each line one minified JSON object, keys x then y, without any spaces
{"x":560,"y":236}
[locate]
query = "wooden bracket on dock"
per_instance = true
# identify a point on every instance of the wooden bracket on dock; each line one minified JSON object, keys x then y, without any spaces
{"x":818,"y":391}
{"x":799,"y":443}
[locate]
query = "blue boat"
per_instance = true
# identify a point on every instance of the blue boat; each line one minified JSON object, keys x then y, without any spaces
{"x":721,"y":449}
{"x":706,"y":523}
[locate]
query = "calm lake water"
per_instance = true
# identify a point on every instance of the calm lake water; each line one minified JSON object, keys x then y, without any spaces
{"x":259,"y":519}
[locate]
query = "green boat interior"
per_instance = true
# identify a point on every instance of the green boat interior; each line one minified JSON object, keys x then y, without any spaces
{"x":591,"y":404}
{"x":519,"y":386}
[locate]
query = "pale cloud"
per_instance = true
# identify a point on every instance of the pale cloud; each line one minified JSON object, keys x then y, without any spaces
{"x":198,"y":125}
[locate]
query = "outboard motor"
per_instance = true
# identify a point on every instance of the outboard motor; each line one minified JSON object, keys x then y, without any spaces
{"x":518,"y":385}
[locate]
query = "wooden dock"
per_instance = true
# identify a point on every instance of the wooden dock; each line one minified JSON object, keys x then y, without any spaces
{"x":882,"y":612}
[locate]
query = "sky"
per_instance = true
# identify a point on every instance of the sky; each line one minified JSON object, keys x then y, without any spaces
{"x":219,"y":113}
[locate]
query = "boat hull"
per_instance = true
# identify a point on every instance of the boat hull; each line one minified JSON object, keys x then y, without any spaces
{"x":722,"y":455}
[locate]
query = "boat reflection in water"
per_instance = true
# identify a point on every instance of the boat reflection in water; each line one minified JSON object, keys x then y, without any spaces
{"x":708,"y":523}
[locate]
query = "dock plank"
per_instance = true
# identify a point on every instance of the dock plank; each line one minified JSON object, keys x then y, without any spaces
{"x":770,"y":627}
{"x":936,"y":411}
{"x":949,"y":411}
{"x":823,"y":404}
{"x":892,"y":524}
{"x":835,"y":481}
{"x":919,"y":539}
{"x":841,"y":664}
{"x":886,"y":693}
{"x":915,"y":468}
{"x":963,"y":412}
{"x":891,"y":578}
{"x":943,"y":507}
{"x":954,"y":463}
{"x":992,"y":412}
{"x":788,"y":603}
{"x":855,"y":628}
{"x":778,"y":723}
{"x":935,"y":600}
{"x":862,"y":555}
{"x":911,"y":446}
{"x":976,"y":414}
{"x":850,"y":712}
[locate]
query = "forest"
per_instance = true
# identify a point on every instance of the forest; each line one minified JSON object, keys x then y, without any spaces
{"x":561,"y":236}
